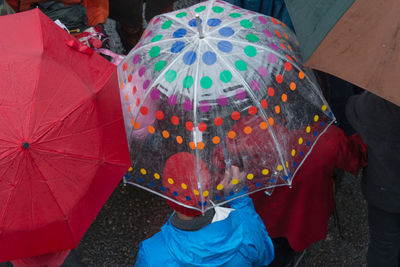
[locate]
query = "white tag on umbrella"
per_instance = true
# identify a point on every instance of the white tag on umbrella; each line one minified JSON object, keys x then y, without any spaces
{"x":197,"y":135}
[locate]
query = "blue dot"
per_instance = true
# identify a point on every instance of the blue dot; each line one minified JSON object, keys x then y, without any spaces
{"x":315,"y":133}
{"x":188,"y":198}
{"x":301,"y":153}
{"x":189,"y":57}
{"x":175,"y":193}
{"x":308,"y":143}
{"x":177,"y":47}
{"x":127,"y":177}
{"x":245,"y":188}
{"x":199,"y":203}
{"x":140,"y":179}
{"x":289,"y":174}
{"x":218,"y":197}
{"x":163,"y":189}
{"x":323,"y":124}
{"x":258,"y":184}
{"x":225,"y":46}
{"x":294,"y":164}
{"x":209,"y":58}
{"x":330,"y":114}
{"x":151,"y":184}
{"x":226,"y":31}
{"x":193,"y":22}
{"x":285,"y":177}
{"x":179,"y":33}
{"x":231,"y":193}
{"x":213,"y":22}
{"x":272,"y":180}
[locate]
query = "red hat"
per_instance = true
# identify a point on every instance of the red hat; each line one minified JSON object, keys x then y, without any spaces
{"x":180,"y":178}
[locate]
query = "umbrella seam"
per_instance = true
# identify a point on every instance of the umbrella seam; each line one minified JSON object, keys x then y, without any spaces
{"x":235,"y":20}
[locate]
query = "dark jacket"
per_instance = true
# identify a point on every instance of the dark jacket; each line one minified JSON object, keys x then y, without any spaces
{"x":378,"y":123}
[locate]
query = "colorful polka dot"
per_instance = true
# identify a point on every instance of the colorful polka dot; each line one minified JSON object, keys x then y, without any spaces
{"x":225,"y":46}
{"x":245,"y":23}
{"x":187,"y":82}
{"x":143,"y":171}
{"x":235,"y":115}
{"x":209,"y":58}
{"x":179,"y":139}
{"x":263,"y":125}
{"x":250,"y":176}
{"x":217,"y":9}
{"x":231,"y":134}
{"x":225,"y":76}
{"x":216,"y":140}
{"x":165,"y":134}
{"x":200,"y":9}
{"x":235,"y":181}
{"x":226,"y":31}
{"x":170,"y":75}
{"x":170,"y":181}
{"x":156,"y":38}
{"x":220,"y":187}
{"x":213,"y":22}
{"x":206,"y":82}
{"x":166,"y":24}
{"x":265,"y":171}
{"x":189,"y":57}
{"x":179,"y":33}
{"x":177,"y":47}
{"x":174,"y":120}
{"x":189,"y":125}
{"x":154,"y":51}
{"x":157,"y":176}
{"x":241,"y":65}
{"x":218,"y":121}
{"x":250,"y":51}
{"x":292,"y":86}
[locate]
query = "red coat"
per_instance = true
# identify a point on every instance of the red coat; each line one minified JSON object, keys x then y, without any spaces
{"x":301,"y":213}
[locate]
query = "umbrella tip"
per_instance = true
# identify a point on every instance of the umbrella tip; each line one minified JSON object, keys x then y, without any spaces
{"x":25,"y":145}
{"x":199,"y":28}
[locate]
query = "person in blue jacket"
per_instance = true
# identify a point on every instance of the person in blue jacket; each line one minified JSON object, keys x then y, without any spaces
{"x":233,"y":236}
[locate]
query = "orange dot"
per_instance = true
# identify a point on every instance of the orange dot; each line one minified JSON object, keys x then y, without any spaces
{"x":252,"y":110}
{"x":174,"y":120}
{"x":129,"y":108}
{"x":286,"y":36}
{"x":136,"y":125}
{"x":231,"y":134}
{"x":283,"y":46}
{"x":263,"y":125}
{"x":189,"y":125}
{"x":130,"y":77}
{"x":235,"y":115}
{"x":151,"y":129}
{"x":134,"y":89}
{"x":290,"y":47}
{"x":292,"y":86}
{"x":159,"y":115}
{"x":247,"y":130}
{"x":200,"y":145}
{"x":125,"y":66}
{"x":144,"y":110}
{"x":289,"y":57}
{"x":192,"y":145}
{"x":126,"y":97}
{"x":138,"y":102}
{"x":271,"y":121}
{"x":165,"y":133}
{"x":216,"y":140}
{"x":279,"y":78}
{"x":133,"y":120}
{"x":301,"y":75}
{"x":121,"y":85}
{"x":288,"y":66}
{"x":277,"y":109}
{"x":179,"y":139}
{"x":218,"y":121}
{"x":284,"y":97}
{"x":278,"y":34}
{"x":202,"y":126}
{"x":264,"y":103}
{"x":271,"y":91}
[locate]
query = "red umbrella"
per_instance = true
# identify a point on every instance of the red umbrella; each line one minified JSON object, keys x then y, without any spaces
{"x":63,"y":147}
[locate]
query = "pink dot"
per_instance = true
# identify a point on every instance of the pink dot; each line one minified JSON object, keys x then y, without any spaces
{"x":240,"y":94}
{"x":271,"y":58}
{"x":267,"y":33}
{"x":155,"y":94}
{"x":187,"y":105}
{"x":142,"y":71}
{"x":262,"y":20}
{"x":148,"y":34}
{"x":251,"y":12}
{"x":274,"y":46}
{"x":255,"y":85}
{"x":204,"y":106}
{"x":235,"y":7}
{"x":222,"y":100}
{"x":156,"y":20}
{"x":136,"y":59}
{"x":146,"y":84}
{"x":172,"y":100}
{"x":263,"y":71}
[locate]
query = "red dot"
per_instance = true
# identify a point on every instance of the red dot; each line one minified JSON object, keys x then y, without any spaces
{"x":137,"y":102}
{"x":288,"y":57}
{"x":189,"y":125}
{"x":159,"y":115}
{"x":144,"y":110}
{"x":264,"y":103}
{"x":218,"y":121}
{"x":278,"y":34}
{"x":134,"y":90}
{"x":202,"y":126}
{"x":279,"y":78}
{"x":125,"y":66}
{"x":274,"y":21}
{"x":271,"y":91}
{"x":235,"y":115}
{"x":288,"y":66}
{"x":252,"y":110}
{"x":174,"y":120}
{"x":130,"y":77}
{"x":283,"y":46}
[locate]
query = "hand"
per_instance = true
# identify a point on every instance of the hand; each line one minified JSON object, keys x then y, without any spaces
{"x":233,"y":180}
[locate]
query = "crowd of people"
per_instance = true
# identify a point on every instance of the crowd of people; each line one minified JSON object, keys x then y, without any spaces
{"x":245,"y":232}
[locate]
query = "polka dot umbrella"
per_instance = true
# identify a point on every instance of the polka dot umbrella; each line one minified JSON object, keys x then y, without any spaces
{"x":211,"y":77}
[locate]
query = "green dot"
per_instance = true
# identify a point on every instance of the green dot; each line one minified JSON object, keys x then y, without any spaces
{"x":252,"y":37}
{"x":166,"y":24}
{"x":245,"y":23}
{"x":241,"y":65}
{"x":170,"y":75}
{"x":157,"y":38}
{"x":159,"y":65}
{"x":181,"y":15}
{"x":154,"y":51}
{"x":206,"y":82}
{"x":188,"y":82}
{"x":225,"y":76}
{"x":200,"y":9}
{"x":217,"y":9}
{"x":250,"y":51}
{"x":235,"y":15}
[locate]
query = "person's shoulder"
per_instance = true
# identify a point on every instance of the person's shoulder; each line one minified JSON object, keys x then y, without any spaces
{"x":154,"y":251}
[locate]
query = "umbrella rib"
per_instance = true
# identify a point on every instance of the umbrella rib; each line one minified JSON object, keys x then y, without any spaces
{"x":233,"y":21}
{"x":172,"y":18}
{"x":254,"y":98}
{"x":10,"y":122}
{"x":67,"y":154}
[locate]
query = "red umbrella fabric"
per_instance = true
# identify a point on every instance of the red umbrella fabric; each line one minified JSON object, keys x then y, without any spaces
{"x":63,"y":147}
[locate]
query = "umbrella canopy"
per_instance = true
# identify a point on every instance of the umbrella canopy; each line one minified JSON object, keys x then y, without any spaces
{"x":357,"y":41}
{"x":190,"y":80}
{"x":63,"y":146}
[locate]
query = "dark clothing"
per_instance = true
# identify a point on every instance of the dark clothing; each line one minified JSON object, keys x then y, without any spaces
{"x":193,"y":225}
{"x":384,"y":230}
{"x":378,"y":123}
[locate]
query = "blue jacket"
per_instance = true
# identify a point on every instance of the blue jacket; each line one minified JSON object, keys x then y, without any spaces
{"x":239,"y":240}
